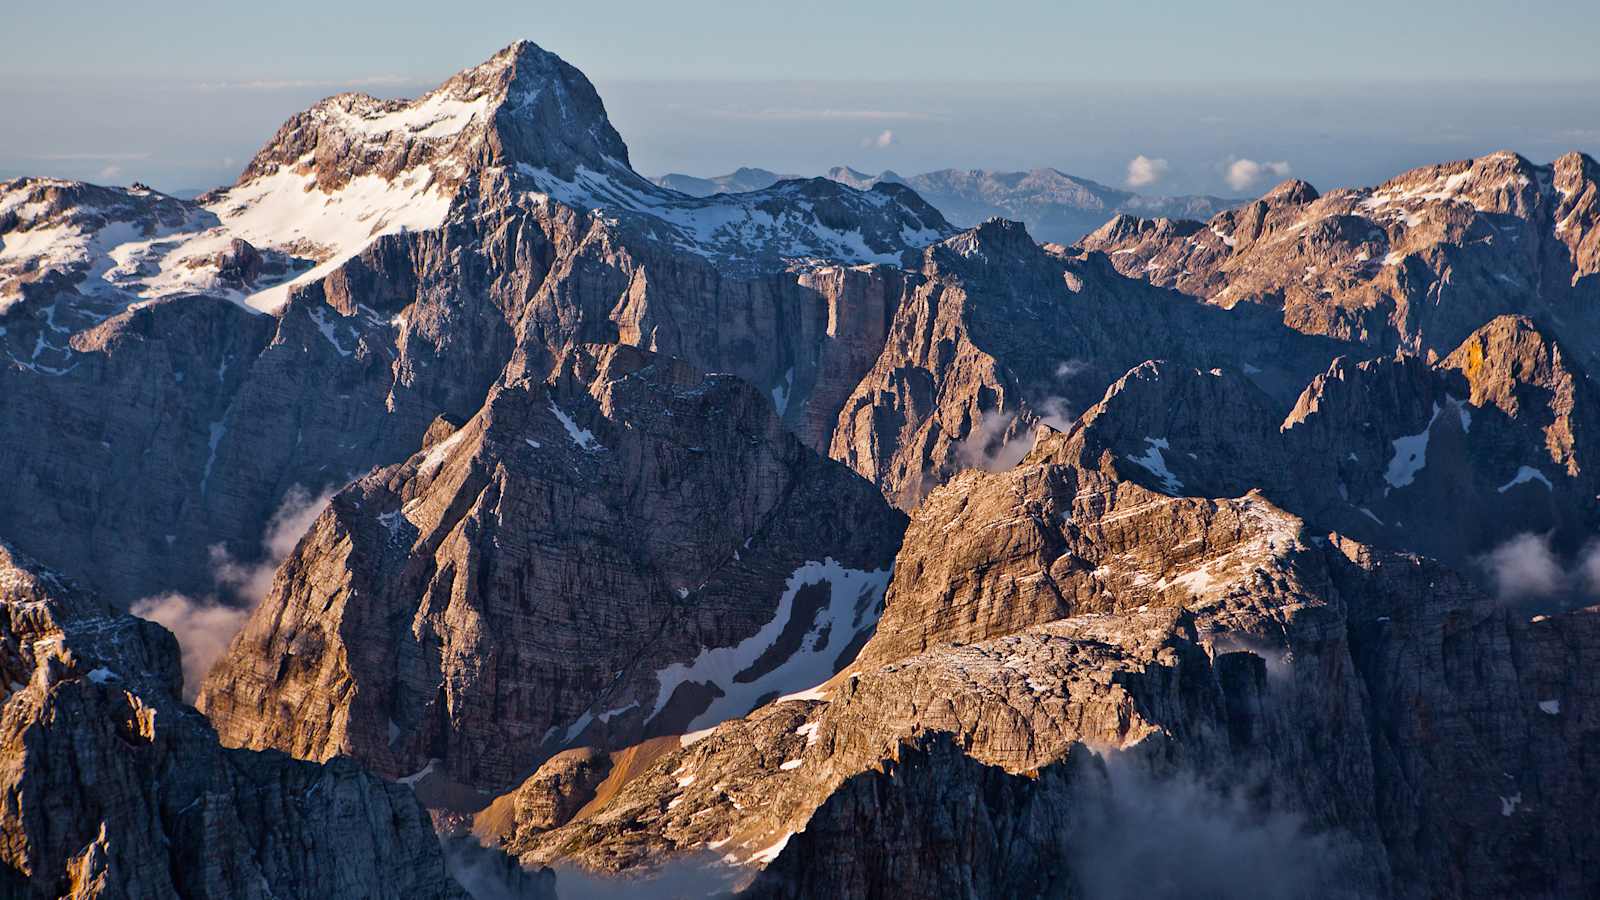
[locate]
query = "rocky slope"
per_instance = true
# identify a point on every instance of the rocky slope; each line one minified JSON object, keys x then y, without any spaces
{"x":1448,"y":460}
{"x":408,"y":252}
{"x":999,"y":334}
{"x":1055,"y":206}
{"x":1373,"y":718}
{"x":1417,"y":263}
{"x":630,"y":548}
{"x":114,"y":788}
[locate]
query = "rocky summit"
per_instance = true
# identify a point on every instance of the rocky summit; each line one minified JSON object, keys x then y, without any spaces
{"x":531,"y":528}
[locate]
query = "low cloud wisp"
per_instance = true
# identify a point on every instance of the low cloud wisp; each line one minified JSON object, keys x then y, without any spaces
{"x":1144,"y":171}
{"x":1526,"y":567}
{"x":206,"y":625}
{"x":1243,"y":174}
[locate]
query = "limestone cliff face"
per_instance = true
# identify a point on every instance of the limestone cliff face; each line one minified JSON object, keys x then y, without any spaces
{"x":949,"y":823}
{"x":1449,"y":460}
{"x":998,"y":335}
{"x":114,"y":788}
{"x":629,"y":548}
{"x":1206,"y":641}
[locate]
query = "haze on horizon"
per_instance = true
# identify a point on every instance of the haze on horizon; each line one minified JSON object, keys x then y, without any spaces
{"x":1338,"y":94}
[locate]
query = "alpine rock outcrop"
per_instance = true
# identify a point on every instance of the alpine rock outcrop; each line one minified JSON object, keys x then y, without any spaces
{"x":1416,"y":263}
{"x":1379,"y":723}
{"x":630,"y":548}
{"x":999,"y":334}
{"x":116,"y":789}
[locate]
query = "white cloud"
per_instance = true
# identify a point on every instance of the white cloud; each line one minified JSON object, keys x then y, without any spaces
{"x":1071,"y":368}
{"x":206,"y":625}
{"x":203,"y":627}
{"x":1243,"y":174}
{"x":1144,"y":171}
{"x":993,"y":444}
{"x":109,"y":172}
{"x":884,"y":138}
{"x":250,"y":582}
{"x":1525,"y":566}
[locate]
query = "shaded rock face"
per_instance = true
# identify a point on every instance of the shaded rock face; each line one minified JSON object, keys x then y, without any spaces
{"x":998,"y":335}
{"x":1419,"y":734}
{"x":1416,"y":263}
{"x":240,"y":262}
{"x":184,"y":424}
{"x":116,"y":789}
{"x":951,"y":826}
{"x":628,"y":549}
{"x":1449,"y":460}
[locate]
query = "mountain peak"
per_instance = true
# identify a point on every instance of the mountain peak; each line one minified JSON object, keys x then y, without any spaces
{"x":548,"y":113}
{"x":1292,"y":192}
{"x":994,"y":239}
{"x":524,"y":105}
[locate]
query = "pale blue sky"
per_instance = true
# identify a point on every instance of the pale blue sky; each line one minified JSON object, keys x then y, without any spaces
{"x":180,"y":94}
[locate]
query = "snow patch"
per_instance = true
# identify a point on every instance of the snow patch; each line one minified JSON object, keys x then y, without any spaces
{"x":849,"y":589}
{"x":780,"y":394}
{"x":287,"y":210}
{"x":766,"y":855}
{"x":437,"y":116}
{"x":436,"y":454}
{"x":1410,"y":455}
{"x":1524,"y":475}
{"x":1153,"y":460}
{"x":583,"y":437}
{"x":809,"y":732}
{"x":728,"y":226}
{"x":695,"y":737}
{"x":420,"y":774}
{"x":320,"y":317}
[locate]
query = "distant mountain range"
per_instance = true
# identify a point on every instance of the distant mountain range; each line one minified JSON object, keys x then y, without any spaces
{"x":1056,"y":207}
{"x":739,"y":181}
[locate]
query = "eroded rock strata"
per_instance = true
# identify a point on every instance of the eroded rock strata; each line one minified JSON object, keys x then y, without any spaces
{"x":115,"y":788}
